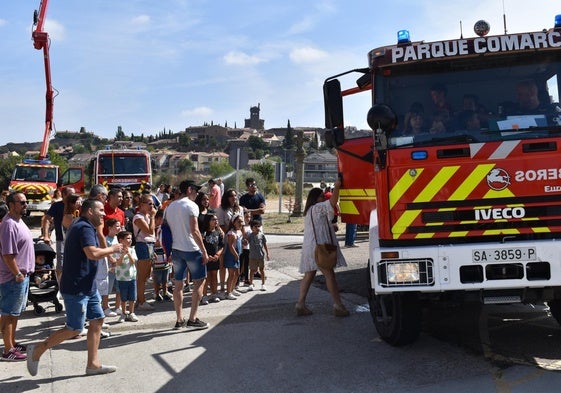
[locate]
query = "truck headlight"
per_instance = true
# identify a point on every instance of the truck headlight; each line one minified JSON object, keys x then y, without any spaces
{"x":402,"y":272}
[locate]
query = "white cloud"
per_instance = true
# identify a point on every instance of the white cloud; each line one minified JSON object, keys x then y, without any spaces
{"x":140,"y":20}
{"x":307,"y":55}
{"x":56,"y":30}
{"x":241,"y":58}
{"x":201,"y":112}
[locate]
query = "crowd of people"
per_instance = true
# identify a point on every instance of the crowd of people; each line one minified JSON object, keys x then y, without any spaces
{"x":116,"y":241}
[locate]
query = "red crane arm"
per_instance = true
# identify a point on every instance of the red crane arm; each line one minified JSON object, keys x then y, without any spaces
{"x":41,"y":41}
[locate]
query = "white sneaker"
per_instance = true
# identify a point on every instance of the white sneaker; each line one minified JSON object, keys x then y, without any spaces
{"x":236,"y":293}
{"x":250,"y":287}
{"x":146,"y":307}
{"x":109,"y":313}
{"x":263,"y":287}
{"x":118,"y":311}
{"x":122,"y":318}
{"x":229,"y":296}
{"x":204,"y":301}
{"x":132,"y":317}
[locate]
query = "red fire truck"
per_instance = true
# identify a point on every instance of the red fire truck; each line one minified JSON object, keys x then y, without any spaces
{"x":466,"y":205}
{"x":37,"y":177}
{"x":125,"y":168}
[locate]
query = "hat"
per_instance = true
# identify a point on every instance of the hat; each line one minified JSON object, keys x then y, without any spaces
{"x":186,"y":184}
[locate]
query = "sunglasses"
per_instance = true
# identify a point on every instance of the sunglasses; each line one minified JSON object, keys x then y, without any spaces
{"x":21,"y":202}
{"x":149,"y":203}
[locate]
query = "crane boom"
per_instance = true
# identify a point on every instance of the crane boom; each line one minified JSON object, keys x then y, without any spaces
{"x":41,"y":42}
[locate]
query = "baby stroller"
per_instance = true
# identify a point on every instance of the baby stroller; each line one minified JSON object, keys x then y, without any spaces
{"x":43,"y":286}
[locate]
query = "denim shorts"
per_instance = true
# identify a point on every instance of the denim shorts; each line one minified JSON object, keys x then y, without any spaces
{"x":59,"y":254}
{"x":144,"y":250}
{"x":13,"y":297}
{"x":80,"y":307}
{"x":192,"y":260}
{"x":127,"y":289}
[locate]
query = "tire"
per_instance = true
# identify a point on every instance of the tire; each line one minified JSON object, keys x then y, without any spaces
{"x":58,"y":307}
{"x":555,"y":309}
{"x":397,"y":316}
{"x":39,"y":310}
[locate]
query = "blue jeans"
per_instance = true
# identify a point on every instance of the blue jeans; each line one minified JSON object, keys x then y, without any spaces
{"x":13,"y":297}
{"x":192,"y":260}
{"x":350,"y":234}
{"x":80,"y":307}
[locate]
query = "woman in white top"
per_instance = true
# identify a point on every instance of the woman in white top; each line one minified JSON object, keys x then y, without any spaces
{"x":321,"y":211}
{"x":143,"y":224}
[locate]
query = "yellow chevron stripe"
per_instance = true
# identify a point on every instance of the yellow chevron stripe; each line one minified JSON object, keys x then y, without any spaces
{"x":348,"y":207}
{"x":471,"y":182}
{"x":402,"y":185}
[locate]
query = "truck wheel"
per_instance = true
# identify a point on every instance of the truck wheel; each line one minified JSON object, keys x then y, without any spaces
{"x":397,"y":316}
{"x":555,"y":309}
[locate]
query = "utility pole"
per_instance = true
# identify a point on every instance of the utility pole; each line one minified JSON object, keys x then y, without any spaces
{"x":299,"y":168}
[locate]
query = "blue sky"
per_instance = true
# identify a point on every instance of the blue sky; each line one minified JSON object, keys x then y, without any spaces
{"x":147,"y":65}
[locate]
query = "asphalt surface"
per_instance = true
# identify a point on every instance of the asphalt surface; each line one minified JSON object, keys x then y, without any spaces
{"x":256,"y":343}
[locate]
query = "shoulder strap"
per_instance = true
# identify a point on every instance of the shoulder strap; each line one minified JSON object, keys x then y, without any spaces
{"x":314,"y":227}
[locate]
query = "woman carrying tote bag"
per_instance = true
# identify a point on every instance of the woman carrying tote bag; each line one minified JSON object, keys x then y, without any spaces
{"x":321,"y":211}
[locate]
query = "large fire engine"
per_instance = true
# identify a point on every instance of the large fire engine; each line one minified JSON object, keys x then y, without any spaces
{"x":37,"y":177}
{"x":125,"y":168}
{"x":467,"y":206}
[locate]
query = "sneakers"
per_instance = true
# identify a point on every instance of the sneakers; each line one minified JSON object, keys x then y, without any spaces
{"x":32,"y":365}
{"x":168,"y":297}
{"x":250,"y":287}
{"x":102,"y":370}
{"x":236,"y":293}
{"x":145,"y":306}
{"x":104,"y":334}
{"x":122,"y":318}
{"x":340,"y":311}
{"x":14,"y":355}
{"x":214,"y":298}
{"x":20,"y":348}
{"x":197,"y":324}
{"x":263,"y":287}
{"x":179,"y":325}
{"x":204,"y":301}
{"x":109,"y":313}
{"x":131,"y":317}
{"x":118,"y":311}
{"x":158,"y":298}
{"x":229,"y":296}
{"x":302,"y":310}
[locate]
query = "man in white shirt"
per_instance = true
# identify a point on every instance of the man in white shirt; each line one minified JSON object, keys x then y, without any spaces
{"x":188,"y":252}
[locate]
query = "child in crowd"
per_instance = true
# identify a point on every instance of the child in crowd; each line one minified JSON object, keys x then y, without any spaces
{"x":213,"y":239}
{"x":161,"y":266}
{"x":232,"y":254}
{"x":113,"y":228}
{"x":257,"y":251}
{"x":125,"y":272}
{"x":244,"y":259}
{"x":43,"y":276}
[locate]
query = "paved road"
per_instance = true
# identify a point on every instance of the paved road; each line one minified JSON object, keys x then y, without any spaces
{"x":256,"y":343}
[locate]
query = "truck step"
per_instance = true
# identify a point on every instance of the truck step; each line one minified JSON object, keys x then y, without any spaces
{"x":501,"y":299}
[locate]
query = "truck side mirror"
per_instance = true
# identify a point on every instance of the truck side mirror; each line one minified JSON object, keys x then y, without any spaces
{"x":333,"y":105}
{"x":383,"y":120}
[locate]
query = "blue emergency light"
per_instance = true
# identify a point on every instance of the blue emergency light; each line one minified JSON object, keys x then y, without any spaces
{"x":419,"y":155}
{"x":558,"y":21}
{"x":403,"y":37}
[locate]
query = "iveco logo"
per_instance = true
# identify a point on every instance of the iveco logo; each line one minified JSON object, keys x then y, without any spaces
{"x":498,"y":179}
{"x":500,"y":213}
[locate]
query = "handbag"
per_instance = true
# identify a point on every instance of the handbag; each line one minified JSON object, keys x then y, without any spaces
{"x":326,"y":253}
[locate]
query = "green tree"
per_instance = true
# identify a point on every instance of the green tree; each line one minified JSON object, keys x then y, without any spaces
{"x":6,"y":169}
{"x":288,"y":141}
{"x":257,"y":143}
{"x":186,"y":165}
{"x":120,"y":135}
{"x":220,"y":168}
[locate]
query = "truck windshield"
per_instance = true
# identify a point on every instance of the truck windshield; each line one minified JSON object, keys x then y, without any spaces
{"x":122,"y":165}
{"x":32,"y":173}
{"x":472,"y":100}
